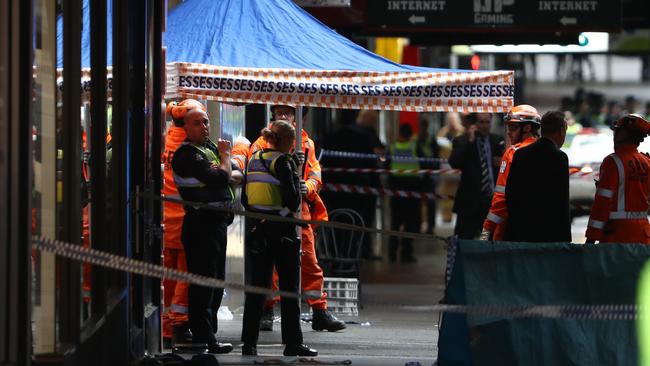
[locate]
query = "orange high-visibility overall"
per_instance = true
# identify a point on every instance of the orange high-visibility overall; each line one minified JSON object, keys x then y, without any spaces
{"x":312,"y":208}
{"x":175,"y":292}
{"x":498,"y":215}
{"x":86,"y":286}
{"x":620,"y":210}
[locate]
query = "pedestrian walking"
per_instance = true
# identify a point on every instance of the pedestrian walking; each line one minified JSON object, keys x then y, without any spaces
{"x":273,"y":187}
{"x":620,"y":210}
{"x":477,"y":154}
{"x":537,"y":190}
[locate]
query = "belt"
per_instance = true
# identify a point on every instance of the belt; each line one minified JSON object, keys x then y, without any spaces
{"x":218,"y":204}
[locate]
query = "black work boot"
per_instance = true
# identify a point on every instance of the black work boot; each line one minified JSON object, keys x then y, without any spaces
{"x":248,"y":350}
{"x":323,"y":320}
{"x":181,"y":334}
{"x":266,"y":323}
{"x":299,"y":350}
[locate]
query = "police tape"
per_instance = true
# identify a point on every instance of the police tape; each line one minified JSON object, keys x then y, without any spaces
{"x":426,"y":238}
{"x":354,"y":155}
{"x":577,"y":311}
{"x":82,"y":254}
{"x":393,"y":171}
{"x":348,"y":188}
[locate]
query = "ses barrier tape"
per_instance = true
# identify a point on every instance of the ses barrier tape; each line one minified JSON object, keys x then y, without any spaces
{"x":441,"y":91}
{"x":81,"y":254}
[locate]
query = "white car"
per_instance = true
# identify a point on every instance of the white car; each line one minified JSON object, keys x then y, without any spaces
{"x":586,"y":150}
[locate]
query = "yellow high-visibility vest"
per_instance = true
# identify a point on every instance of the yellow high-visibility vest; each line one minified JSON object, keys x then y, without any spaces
{"x":262,"y":187}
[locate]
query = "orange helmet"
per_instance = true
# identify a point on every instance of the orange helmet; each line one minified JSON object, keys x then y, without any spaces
{"x":634,"y":122}
{"x":293,"y":106}
{"x":523,"y":113}
{"x":178,"y":110}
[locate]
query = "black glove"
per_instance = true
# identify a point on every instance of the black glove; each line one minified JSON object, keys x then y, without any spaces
{"x":300,"y":156}
{"x":303,"y":188}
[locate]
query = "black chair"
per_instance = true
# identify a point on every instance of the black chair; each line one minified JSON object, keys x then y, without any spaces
{"x":339,"y":250}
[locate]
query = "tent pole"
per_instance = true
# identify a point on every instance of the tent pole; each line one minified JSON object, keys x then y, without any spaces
{"x":299,"y":127}
{"x":298,"y":115}
{"x":267,"y":114}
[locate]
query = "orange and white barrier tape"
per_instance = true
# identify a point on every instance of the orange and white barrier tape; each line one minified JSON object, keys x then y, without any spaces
{"x":394,"y":171}
{"x":581,"y":174}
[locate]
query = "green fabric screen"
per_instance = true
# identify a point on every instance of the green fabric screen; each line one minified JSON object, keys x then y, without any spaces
{"x":504,"y":273}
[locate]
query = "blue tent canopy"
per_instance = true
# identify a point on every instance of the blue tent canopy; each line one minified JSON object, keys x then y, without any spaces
{"x":263,"y":34}
{"x":247,"y":33}
{"x":85,"y":36}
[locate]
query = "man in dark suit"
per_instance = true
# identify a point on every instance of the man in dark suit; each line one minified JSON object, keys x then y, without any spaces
{"x":537,"y":192}
{"x":477,"y":155}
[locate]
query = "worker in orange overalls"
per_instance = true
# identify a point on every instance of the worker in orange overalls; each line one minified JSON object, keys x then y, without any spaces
{"x":175,"y":320}
{"x":312,"y":209}
{"x":620,"y":210}
{"x":523,"y":123}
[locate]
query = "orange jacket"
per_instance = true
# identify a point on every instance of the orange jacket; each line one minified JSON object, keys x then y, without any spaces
{"x":240,"y":154}
{"x":84,"y":146}
{"x":619,"y":212}
{"x":173,"y":213}
{"x":313,"y":207}
{"x":498,"y":215}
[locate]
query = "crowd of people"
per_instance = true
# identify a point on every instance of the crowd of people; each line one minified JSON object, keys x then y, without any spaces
{"x":589,"y":109}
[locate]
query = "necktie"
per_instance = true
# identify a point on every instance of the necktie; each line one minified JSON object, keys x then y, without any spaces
{"x":486,"y":180}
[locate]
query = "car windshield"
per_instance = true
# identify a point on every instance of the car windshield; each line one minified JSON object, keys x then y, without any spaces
{"x":588,"y":148}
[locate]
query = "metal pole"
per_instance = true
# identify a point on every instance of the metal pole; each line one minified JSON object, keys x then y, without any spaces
{"x":299,"y":211}
{"x":97,"y":138}
{"x":299,"y":128}
{"x":267,"y":114}
{"x":70,"y":291}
